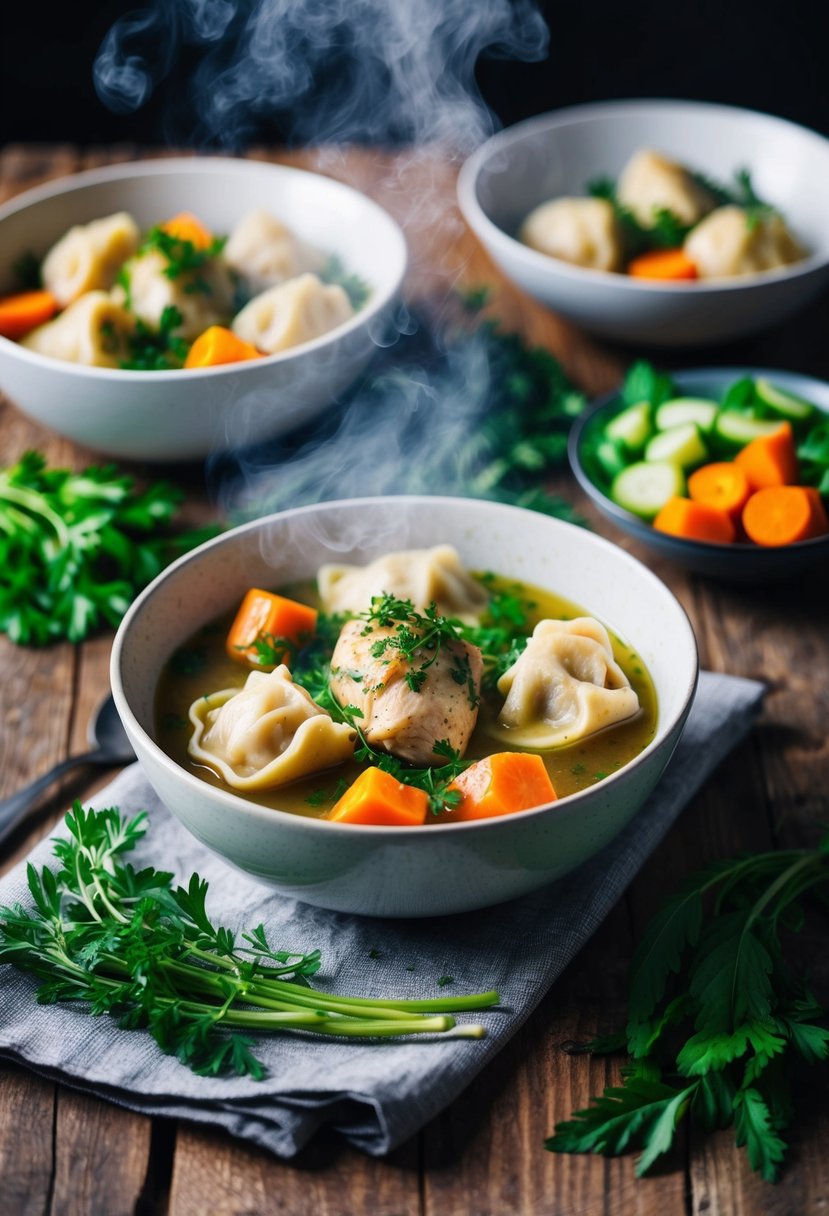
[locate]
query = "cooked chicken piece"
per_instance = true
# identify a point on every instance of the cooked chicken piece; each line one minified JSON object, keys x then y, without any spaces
{"x":408,"y":706}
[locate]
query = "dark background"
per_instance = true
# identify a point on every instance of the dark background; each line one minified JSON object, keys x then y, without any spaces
{"x":767,"y":56}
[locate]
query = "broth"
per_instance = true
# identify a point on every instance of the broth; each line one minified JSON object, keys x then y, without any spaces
{"x":201,"y":666}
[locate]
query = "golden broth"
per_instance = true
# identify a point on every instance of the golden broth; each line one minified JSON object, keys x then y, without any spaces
{"x":202,"y":666}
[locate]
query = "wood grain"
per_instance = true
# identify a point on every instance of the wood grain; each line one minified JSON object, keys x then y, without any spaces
{"x":65,"y":1152}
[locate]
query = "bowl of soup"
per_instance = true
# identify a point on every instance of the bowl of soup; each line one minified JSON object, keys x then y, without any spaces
{"x":427,"y":632}
{"x":163,"y":310}
{"x":723,"y":209}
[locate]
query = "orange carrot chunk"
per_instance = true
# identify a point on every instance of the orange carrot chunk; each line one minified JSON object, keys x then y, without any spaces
{"x":274,"y":617}
{"x":781,"y":515}
{"x":501,"y":784}
{"x":663,"y":264}
{"x":186,"y":227}
{"x":770,"y":460}
{"x":695,"y":521}
{"x":723,"y":485}
{"x":21,"y":313}
{"x":218,"y":345}
{"x":378,"y":798}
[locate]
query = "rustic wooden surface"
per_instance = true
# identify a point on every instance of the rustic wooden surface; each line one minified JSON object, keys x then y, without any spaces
{"x":64,"y":1152}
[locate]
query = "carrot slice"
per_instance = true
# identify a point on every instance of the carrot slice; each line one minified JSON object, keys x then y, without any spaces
{"x":276,"y":616}
{"x":21,"y":313}
{"x":501,"y":784}
{"x":695,"y":521}
{"x":665,"y":264}
{"x":377,"y":798}
{"x":186,"y":227}
{"x":770,"y":460}
{"x":723,"y":485}
{"x":218,"y":345}
{"x":781,"y":515}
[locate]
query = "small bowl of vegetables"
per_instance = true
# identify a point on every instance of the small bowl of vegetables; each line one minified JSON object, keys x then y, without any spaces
{"x":723,"y":470}
{"x":163,"y":310}
{"x":670,"y":223}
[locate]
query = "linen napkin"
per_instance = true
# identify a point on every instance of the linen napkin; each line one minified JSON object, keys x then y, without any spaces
{"x":375,"y":1094}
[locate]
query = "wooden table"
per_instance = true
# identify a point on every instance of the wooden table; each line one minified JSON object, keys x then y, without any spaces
{"x":63,"y":1152}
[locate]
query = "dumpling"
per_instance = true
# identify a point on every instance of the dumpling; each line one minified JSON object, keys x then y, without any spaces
{"x":263,"y":252}
{"x":267,"y":733}
{"x":93,"y":331}
{"x":291,"y":313}
{"x":578,"y":230}
{"x":650,"y":182}
{"x":564,"y":686}
{"x":89,"y":257}
{"x":732,"y":242}
{"x":424,"y":576}
{"x":204,"y":296}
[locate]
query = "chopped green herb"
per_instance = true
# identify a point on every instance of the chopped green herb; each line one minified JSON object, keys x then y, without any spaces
{"x":183,"y":257}
{"x":577,"y":770}
{"x":357,"y":289}
{"x":444,"y":980}
{"x":158,"y":350}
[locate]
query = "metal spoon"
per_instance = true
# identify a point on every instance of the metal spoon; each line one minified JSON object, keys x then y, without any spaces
{"x":110,"y":748}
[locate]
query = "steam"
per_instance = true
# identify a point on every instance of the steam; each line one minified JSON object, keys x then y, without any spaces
{"x":327,"y":71}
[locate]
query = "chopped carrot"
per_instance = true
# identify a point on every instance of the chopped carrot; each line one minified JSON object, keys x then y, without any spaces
{"x":770,"y":460}
{"x":695,"y":521}
{"x":723,"y":485}
{"x":186,"y":227}
{"x":271,"y":617}
{"x":500,"y":785}
{"x":21,"y":313}
{"x":218,"y":345}
{"x":666,"y":264}
{"x":780,"y":515}
{"x":377,"y":798}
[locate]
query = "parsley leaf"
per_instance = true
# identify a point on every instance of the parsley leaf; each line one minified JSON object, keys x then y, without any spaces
{"x":75,"y":548}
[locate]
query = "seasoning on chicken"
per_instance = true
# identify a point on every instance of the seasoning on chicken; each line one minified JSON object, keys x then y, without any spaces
{"x":414,"y":680}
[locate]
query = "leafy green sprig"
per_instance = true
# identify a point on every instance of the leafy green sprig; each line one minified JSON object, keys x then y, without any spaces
{"x":716,"y":1019}
{"x":75,"y":548}
{"x":131,"y":944}
{"x":183,"y":257}
{"x":156,"y":350}
{"x":356,"y":288}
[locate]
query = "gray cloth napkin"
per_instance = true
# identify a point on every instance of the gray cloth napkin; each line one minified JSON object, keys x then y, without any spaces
{"x":375,"y":1094}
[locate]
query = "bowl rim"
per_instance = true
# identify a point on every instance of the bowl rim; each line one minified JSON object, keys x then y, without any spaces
{"x":218,"y":165}
{"x":691,"y":376}
{"x":235,"y":802}
{"x":533,"y":259}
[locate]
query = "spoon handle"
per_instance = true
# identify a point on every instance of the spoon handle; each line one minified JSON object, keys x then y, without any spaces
{"x":15,"y":808}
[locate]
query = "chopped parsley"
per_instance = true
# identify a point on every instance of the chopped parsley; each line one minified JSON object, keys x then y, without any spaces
{"x":158,"y":350}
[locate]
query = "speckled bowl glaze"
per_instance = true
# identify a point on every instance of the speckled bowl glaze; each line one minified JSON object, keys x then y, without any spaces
{"x":188,"y":414}
{"x":427,"y":871}
{"x":558,"y":154}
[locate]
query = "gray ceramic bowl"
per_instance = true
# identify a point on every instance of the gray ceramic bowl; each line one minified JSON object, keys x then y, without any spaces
{"x":737,"y":563}
{"x":427,"y":871}
{"x":558,"y":154}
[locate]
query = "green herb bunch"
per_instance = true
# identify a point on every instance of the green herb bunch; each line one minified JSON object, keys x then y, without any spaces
{"x":75,"y":548}
{"x":156,"y":350}
{"x":131,"y":944}
{"x":717,"y":1020}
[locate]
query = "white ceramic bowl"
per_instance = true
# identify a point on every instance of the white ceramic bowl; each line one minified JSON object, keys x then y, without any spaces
{"x":184,"y":415}
{"x":558,"y":154}
{"x":386,"y":871}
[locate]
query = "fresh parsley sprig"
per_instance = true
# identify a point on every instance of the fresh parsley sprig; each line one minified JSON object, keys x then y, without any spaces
{"x":131,"y":944}
{"x":156,"y":350}
{"x":75,"y":548}
{"x":716,"y":1017}
{"x":184,"y":258}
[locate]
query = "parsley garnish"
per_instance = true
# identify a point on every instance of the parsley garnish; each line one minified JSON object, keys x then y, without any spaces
{"x":716,"y":1016}
{"x":417,"y":640}
{"x":130,"y":943}
{"x":183,"y":257}
{"x":75,"y":548}
{"x":158,"y":350}
{"x":357,"y":289}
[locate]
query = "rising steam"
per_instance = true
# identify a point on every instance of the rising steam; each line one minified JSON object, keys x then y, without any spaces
{"x":327,"y":71}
